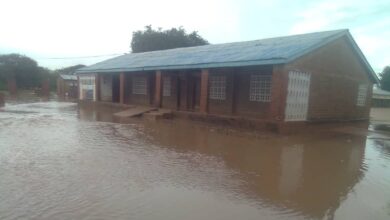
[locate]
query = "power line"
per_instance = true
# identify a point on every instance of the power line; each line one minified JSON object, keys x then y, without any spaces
{"x":81,"y":57}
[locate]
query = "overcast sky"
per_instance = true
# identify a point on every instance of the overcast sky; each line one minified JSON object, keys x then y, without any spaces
{"x":78,"y":29}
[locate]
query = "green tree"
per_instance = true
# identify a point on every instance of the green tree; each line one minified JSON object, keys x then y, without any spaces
{"x":385,"y":78}
{"x":150,"y":39}
{"x":69,"y":70}
{"x":22,"y":69}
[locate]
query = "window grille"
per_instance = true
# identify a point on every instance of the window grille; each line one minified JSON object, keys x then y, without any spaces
{"x":166,"y":86}
{"x":362,"y":95}
{"x":260,"y":88}
{"x":139,"y":85}
{"x":218,"y":87}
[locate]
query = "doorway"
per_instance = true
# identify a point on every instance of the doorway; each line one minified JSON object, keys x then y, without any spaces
{"x":189,"y":92}
{"x":115,"y":88}
{"x":298,"y":91}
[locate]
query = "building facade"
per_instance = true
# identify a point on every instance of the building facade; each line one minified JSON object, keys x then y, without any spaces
{"x":380,"y":98}
{"x":67,"y":86}
{"x":312,"y":77}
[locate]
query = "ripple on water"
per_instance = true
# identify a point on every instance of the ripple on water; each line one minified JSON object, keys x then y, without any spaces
{"x":56,"y":164}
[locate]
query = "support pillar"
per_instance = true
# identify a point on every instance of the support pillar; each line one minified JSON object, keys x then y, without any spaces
{"x":45,"y":91}
{"x":12,"y":87}
{"x":278,"y":93}
{"x":78,"y":88}
{"x":97,"y":87}
{"x":2,"y":99}
{"x":122,"y":88}
{"x":204,"y":90}
{"x":158,"y":90}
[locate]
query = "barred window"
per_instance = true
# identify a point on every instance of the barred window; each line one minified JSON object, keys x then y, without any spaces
{"x":87,"y":81}
{"x":362,"y":95}
{"x":139,"y":85}
{"x":260,"y":88}
{"x":166,"y":86}
{"x":218,"y":87}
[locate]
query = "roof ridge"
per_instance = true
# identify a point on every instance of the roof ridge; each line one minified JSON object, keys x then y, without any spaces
{"x":267,"y":51}
{"x":246,"y":41}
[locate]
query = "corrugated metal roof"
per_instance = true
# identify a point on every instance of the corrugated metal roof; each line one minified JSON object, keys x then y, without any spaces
{"x":381,"y":92}
{"x":68,"y":77}
{"x":259,"y":52}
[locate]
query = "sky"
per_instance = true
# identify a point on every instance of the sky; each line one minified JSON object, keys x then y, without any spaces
{"x":68,"y":32}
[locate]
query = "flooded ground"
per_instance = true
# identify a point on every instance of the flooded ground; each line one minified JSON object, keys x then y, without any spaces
{"x":61,"y":162}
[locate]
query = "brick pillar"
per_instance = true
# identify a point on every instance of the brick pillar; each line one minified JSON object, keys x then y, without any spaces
{"x":278,"y":93}
{"x":122,"y":88}
{"x":59,"y":93}
{"x":78,"y":88}
{"x":158,"y":90}
{"x":204,"y":90}
{"x":45,"y":88}
{"x":2,"y":99}
{"x":12,"y":88}
{"x":97,"y":87}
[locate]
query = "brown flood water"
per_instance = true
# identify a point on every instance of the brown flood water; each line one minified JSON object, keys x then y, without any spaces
{"x":61,"y":162}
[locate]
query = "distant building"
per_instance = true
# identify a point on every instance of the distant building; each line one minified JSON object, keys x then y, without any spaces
{"x":310,"y":77}
{"x":380,"y":97}
{"x":67,"y":86}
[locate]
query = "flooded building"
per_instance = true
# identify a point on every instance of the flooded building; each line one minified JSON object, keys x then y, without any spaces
{"x":319,"y":76}
{"x":67,"y":86}
{"x":380,"y":97}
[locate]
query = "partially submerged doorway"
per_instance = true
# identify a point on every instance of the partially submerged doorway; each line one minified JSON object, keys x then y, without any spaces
{"x":189,"y":91}
{"x":115,"y":88}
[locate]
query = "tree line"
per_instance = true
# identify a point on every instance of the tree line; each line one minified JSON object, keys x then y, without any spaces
{"x":28,"y":74}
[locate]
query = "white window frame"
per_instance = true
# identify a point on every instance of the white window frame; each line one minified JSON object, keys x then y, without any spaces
{"x":87,"y":83}
{"x":361,"y":97}
{"x":140,"y":85}
{"x":260,"y":87}
{"x":217,"y":87}
{"x":167,"y":87}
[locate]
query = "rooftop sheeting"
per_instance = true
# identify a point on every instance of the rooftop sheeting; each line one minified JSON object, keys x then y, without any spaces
{"x":259,"y":52}
{"x":380,"y":92}
{"x":68,"y":77}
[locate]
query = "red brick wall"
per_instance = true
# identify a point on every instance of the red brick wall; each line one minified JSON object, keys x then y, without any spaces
{"x":336,"y":72}
{"x":225,"y":107}
{"x":170,"y":102}
{"x":136,"y":99}
{"x":243,"y":106}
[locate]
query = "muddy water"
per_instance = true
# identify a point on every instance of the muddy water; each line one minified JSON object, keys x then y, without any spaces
{"x":61,"y":162}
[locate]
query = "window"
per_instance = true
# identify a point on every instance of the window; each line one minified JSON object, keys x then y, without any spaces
{"x":362,"y":95}
{"x":218,"y":87}
{"x":87,"y":81}
{"x":166,"y":86}
{"x":260,"y":88}
{"x":87,"y":87}
{"x":139,"y":85}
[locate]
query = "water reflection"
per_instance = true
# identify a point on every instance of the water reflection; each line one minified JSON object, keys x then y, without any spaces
{"x":306,"y":174}
{"x":67,"y":162}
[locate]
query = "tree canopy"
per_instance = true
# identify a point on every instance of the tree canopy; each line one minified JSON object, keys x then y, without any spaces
{"x":24,"y":70}
{"x":385,"y":78}
{"x":151,"y":39}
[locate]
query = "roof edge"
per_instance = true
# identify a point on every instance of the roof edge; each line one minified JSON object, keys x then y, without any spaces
{"x":365,"y":61}
{"x":191,"y":66}
{"x":317,"y":46}
{"x":343,"y":32}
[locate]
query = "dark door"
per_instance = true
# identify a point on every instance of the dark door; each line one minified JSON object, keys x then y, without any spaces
{"x":115,"y":88}
{"x":194,"y":92}
{"x":197,"y":93}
